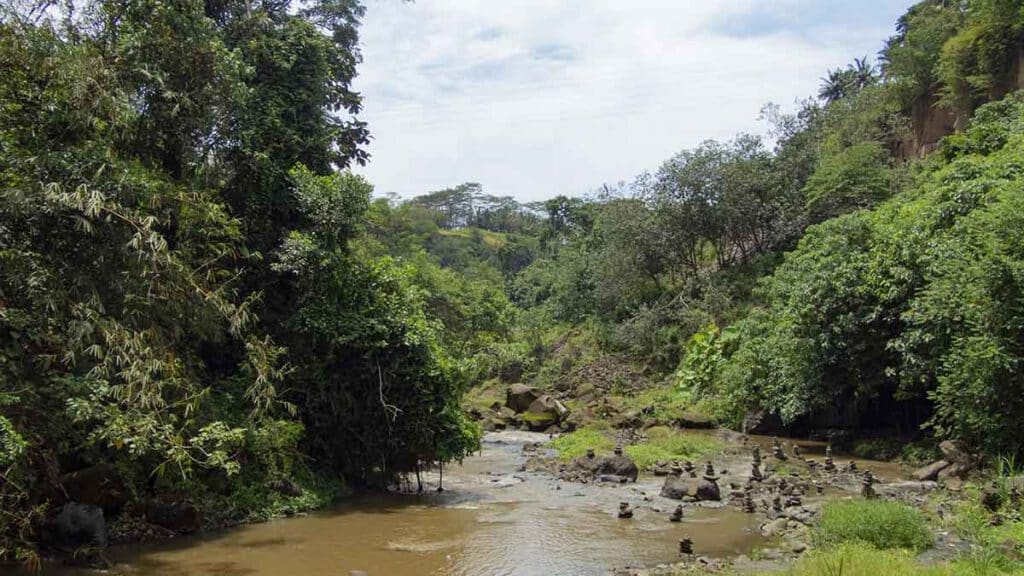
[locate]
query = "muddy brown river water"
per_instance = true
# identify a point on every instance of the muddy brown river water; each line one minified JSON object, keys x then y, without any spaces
{"x":491,"y":520}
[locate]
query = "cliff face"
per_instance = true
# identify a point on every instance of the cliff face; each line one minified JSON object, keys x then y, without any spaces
{"x":930,"y":121}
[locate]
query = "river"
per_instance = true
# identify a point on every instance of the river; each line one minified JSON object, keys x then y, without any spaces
{"x":491,"y":520}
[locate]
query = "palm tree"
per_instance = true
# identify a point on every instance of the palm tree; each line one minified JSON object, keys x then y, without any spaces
{"x":835,"y":86}
{"x":863,"y":72}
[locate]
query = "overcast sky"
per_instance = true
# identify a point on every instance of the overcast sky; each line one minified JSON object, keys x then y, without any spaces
{"x":534,"y":98}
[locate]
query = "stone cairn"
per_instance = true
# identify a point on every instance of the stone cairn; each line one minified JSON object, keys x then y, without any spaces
{"x":830,"y":465}
{"x":677,"y":470}
{"x":777,"y":503}
{"x":686,"y":546}
{"x":777,"y":450}
{"x":796,"y":452}
{"x":618,"y":450}
{"x":748,"y":503}
{"x":851,"y":467}
{"x":709,"y":472}
{"x":590,"y":454}
{"x":690,"y":469}
{"x":755,"y":466}
{"x":625,"y":510}
{"x":677,"y":514}
{"x":755,"y":472}
{"x":867,"y":485}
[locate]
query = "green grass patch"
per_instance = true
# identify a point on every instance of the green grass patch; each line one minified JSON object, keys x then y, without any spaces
{"x":663,"y":446}
{"x":861,"y":559}
{"x":879,"y":523}
{"x":575,"y":444}
{"x":669,"y":402}
{"x":483,"y":396}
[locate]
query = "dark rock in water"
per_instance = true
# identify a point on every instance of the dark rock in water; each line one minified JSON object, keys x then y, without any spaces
{"x":518,"y":397}
{"x":77,"y":526}
{"x":182,"y":516}
{"x":619,"y":466}
{"x":677,"y":488}
{"x":99,"y":485}
{"x":677,"y":514}
{"x":930,"y":472}
{"x":625,"y":510}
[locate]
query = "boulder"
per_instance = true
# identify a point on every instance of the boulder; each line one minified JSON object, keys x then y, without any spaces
{"x":628,"y":419}
{"x":930,"y":472}
{"x":956,"y":452}
{"x":953,"y":471}
{"x":99,"y":485}
{"x":519,"y":397}
{"x":76,"y":526}
{"x":621,"y":466}
{"x":695,"y":420}
{"x":775,"y":528}
{"x":181,"y":516}
{"x":677,"y":488}
{"x":544,"y":411}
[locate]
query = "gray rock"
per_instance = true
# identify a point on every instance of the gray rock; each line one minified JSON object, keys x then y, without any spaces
{"x":775,"y":528}
{"x":957,"y":452}
{"x":931,"y":471}
{"x":678,"y":488}
{"x":518,"y":397}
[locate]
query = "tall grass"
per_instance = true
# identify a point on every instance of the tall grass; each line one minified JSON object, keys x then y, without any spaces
{"x":882,"y":524}
{"x":663,"y":444}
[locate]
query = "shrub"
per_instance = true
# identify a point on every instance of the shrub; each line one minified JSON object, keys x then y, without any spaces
{"x":878,"y":523}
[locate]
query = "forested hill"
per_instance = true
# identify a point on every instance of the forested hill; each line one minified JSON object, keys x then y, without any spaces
{"x":855,"y":272}
{"x":201,"y":303}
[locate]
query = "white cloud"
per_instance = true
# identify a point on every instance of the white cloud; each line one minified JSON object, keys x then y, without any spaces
{"x":534,"y":98}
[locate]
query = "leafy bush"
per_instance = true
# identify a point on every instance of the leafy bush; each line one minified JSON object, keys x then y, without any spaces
{"x":880,"y":523}
{"x":913,"y":307}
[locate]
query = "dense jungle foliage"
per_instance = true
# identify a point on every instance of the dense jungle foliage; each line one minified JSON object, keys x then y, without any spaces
{"x":185,"y":292}
{"x":196,"y":290}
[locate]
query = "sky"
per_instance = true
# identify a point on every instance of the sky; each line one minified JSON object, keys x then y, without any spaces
{"x":536,"y":98}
